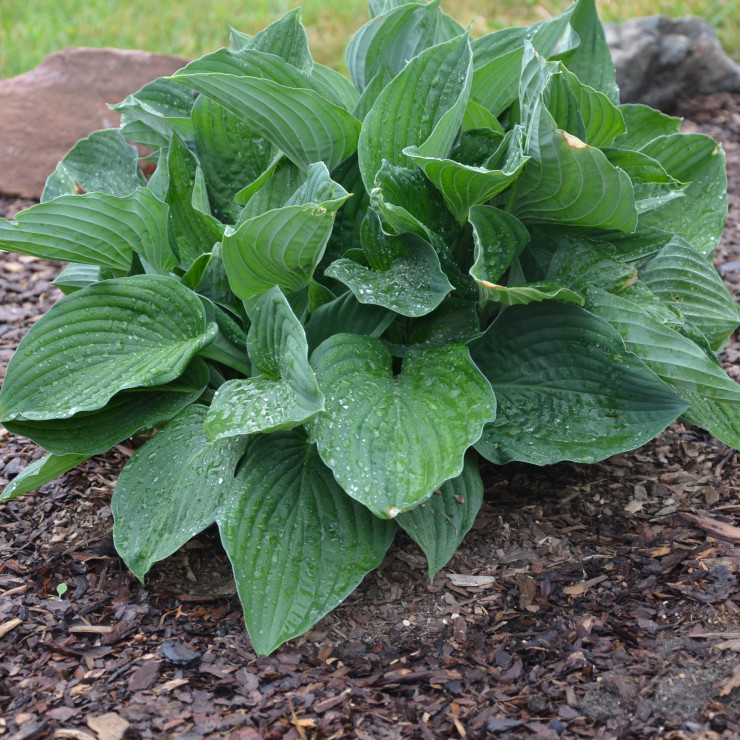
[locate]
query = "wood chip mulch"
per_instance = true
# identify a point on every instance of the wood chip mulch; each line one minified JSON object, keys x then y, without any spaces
{"x":588,"y":601}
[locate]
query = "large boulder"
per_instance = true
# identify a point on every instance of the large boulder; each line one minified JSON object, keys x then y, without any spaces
{"x":45,"y":111}
{"x":660,"y":60}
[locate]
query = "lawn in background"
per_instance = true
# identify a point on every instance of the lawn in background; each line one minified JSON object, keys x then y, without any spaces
{"x":31,"y":29}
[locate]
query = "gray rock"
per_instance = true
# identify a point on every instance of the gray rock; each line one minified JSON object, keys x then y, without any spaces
{"x":661,"y":60}
{"x":45,"y":111}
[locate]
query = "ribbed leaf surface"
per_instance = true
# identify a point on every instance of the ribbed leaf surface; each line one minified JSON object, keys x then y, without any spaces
{"x":93,"y":229}
{"x":440,"y":524}
{"x":139,"y":331}
{"x":297,"y":543}
{"x":375,"y":423}
{"x":567,"y":388}
{"x":170,"y":490}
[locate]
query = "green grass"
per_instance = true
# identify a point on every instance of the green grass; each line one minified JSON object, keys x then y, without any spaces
{"x":30,"y":29}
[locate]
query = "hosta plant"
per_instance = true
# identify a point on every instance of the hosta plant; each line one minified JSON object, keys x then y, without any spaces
{"x":330,"y":297}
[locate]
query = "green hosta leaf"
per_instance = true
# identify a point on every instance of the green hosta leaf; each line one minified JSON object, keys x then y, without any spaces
{"x":643,"y":125}
{"x":153,"y":114}
{"x":677,"y":274}
{"x":424,"y":104}
{"x":602,"y":120}
{"x":641,"y":168}
{"x":569,"y":182}
{"x":346,"y":314}
{"x":40,"y":472}
{"x":336,"y":86}
{"x":230,"y":155}
{"x":285,"y":394}
{"x":720,"y":419}
{"x":93,"y":229}
{"x":139,"y":331}
{"x":395,"y":37}
{"x":700,"y":216}
{"x":297,"y":543}
{"x":192,"y":231}
{"x":495,"y":84}
{"x":94,"y":432}
{"x":170,"y":490}
{"x":454,"y":321}
{"x":478,"y":117}
{"x":439,"y":525}
{"x":567,"y":388}
{"x":581,"y":263}
{"x":300,"y":122}
{"x":672,"y":356}
{"x":634,"y":247}
{"x":346,"y":232}
{"x":270,"y":190}
{"x":283,"y":246}
{"x":103,"y":162}
{"x":413,"y":284}
{"x":591,"y":61}
{"x":463,"y":186}
{"x":529,"y":293}
{"x":285,"y":38}
{"x":375,"y":422}
{"x":499,"y":239}
{"x":76,"y":276}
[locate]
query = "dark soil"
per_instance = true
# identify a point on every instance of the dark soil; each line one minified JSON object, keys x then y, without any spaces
{"x":606,"y":600}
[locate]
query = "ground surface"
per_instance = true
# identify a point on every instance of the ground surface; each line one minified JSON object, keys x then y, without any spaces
{"x":607,"y":601}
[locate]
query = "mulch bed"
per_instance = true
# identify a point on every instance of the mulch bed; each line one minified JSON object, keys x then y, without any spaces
{"x":604,"y":600}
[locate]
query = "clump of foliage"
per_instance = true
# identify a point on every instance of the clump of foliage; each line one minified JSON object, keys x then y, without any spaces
{"x":330,"y":297}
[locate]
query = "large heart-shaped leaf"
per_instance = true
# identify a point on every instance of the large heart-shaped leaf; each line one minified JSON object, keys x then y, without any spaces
{"x":283,"y":246}
{"x":439,"y":525}
{"x":643,"y":125}
{"x":103,"y":162}
{"x":567,"y":388}
{"x":140,"y":331}
{"x":392,"y":440}
{"x":297,"y":543}
{"x":427,"y":98}
{"x":285,"y":394}
{"x":93,"y":229}
{"x":170,"y":490}
{"x":94,"y":432}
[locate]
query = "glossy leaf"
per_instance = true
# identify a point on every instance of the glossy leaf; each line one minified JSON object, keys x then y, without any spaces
{"x":567,"y":388}
{"x":428,"y":96}
{"x":94,"y":432}
{"x":140,"y":331}
{"x":499,"y":239}
{"x":297,"y":543}
{"x":170,"y":490}
{"x":678,"y":275}
{"x":40,"y":472}
{"x":284,"y":394}
{"x":375,"y":421}
{"x":300,"y":122}
{"x":568,"y":182}
{"x":103,"y":162}
{"x":93,"y":229}
{"x":283,"y":246}
{"x":439,"y":525}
